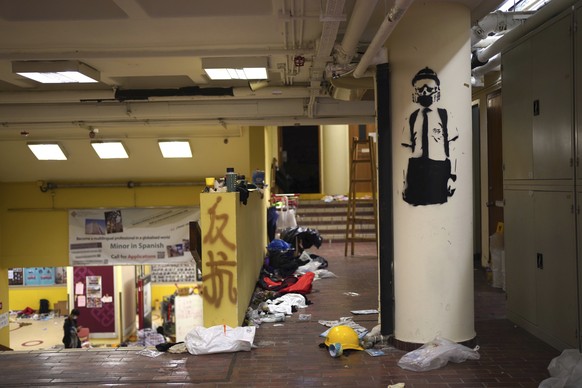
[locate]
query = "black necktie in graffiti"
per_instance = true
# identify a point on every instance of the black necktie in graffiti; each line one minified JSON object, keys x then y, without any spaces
{"x":425,"y":132}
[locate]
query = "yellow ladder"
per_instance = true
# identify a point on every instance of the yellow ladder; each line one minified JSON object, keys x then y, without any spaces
{"x":362,"y":152}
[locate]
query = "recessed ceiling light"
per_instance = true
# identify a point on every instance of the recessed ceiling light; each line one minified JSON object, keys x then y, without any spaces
{"x":236,"y":68}
{"x":110,"y":149}
{"x":175,"y":148}
{"x":47,"y":151}
{"x":56,"y":72}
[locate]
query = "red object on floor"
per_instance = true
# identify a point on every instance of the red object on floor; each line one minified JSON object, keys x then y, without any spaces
{"x":299,"y":285}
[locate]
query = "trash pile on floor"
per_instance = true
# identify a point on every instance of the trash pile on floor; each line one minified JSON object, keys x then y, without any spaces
{"x":285,"y":279}
{"x":287,"y":276}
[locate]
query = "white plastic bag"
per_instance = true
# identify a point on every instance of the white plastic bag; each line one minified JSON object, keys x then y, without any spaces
{"x":284,"y":304}
{"x":286,"y":216}
{"x":566,"y":370}
{"x":219,"y":339}
{"x":436,"y":354}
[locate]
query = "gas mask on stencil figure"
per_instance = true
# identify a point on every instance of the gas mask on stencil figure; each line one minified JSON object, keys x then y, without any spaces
{"x":426,"y":92}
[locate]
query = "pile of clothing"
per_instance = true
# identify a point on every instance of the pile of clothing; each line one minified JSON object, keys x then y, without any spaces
{"x":304,"y":238}
{"x":287,"y":275}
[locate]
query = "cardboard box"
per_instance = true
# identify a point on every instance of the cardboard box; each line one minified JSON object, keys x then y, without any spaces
{"x":61,"y":308}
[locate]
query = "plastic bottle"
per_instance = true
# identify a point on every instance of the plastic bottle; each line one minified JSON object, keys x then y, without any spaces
{"x":230,"y":180}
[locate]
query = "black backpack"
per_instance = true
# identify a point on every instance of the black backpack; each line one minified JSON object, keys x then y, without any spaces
{"x":44,"y":306}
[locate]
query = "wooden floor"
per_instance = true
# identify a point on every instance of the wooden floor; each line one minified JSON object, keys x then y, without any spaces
{"x":289,"y":354}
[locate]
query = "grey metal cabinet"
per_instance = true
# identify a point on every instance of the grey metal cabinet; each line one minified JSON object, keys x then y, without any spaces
{"x":578,"y":88}
{"x":556,"y":279}
{"x":542,"y":145}
{"x":552,"y":102}
{"x":517,"y":117}
{"x":520,"y":253}
{"x":537,"y":105}
{"x":540,"y":246}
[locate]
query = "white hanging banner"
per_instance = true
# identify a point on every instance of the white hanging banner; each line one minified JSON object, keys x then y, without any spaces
{"x":130,"y":236}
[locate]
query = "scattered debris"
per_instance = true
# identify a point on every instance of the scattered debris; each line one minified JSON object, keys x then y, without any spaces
{"x":436,"y":354}
{"x":150,"y":353}
{"x":364,"y":312}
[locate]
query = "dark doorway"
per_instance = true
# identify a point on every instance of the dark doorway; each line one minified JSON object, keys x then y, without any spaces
{"x":299,"y":159}
{"x":495,"y":167}
{"x":477,"y":230}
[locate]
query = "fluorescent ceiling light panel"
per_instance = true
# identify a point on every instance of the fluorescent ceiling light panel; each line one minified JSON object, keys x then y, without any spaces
{"x":521,"y":5}
{"x":175,"y":148}
{"x":110,"y":149}
{"x":47,"y":151}
{"x":56,"y":72}
{"x":235,"y":68}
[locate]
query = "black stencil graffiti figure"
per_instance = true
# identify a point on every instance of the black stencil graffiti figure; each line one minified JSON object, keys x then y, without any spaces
{"x":430,"y":176}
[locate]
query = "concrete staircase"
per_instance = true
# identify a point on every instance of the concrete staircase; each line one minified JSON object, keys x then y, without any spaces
{"x":329,"y":218}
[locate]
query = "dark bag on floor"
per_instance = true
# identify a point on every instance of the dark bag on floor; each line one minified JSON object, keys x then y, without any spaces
{"x":44,"y":306}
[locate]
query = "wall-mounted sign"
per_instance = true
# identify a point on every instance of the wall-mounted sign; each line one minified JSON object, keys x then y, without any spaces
{"x":130,"y":236}
{"x":4,"y":320}
{"x":37,"y":276}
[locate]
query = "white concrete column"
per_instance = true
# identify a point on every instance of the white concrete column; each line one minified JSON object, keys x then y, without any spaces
{"x":429,"y":56}
{"x":335,"y":156}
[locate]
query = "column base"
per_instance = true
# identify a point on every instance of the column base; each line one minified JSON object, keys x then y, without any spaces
{"x":410,"y":346}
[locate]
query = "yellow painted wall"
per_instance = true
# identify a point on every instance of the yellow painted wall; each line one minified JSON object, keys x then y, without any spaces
{"x":22,"y":297}
{"x":251,"y":244}
{"x":159,"y":291}
{"x":34,"y":224}
{"x":232,"y":246}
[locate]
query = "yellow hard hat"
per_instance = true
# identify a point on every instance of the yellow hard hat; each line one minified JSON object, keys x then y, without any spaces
{"x":344,"y":335}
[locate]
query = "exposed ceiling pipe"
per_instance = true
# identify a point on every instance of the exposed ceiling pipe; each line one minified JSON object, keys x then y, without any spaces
{"x":60,"y":97}
{"x":56,"y":97}
{"x":366,"y":116}
{"x":46,"y":186}
{"x":544,"y":14}
{"x":480,"y":71}
{"x":136,"y":53}
{"x":388,"y":25}
{"x":361,"y":14}
{"x":147,"y":113}
{"x":144,"y":94}
{"x":496,"y":22}
{"x":332,"y":16}
{"x":301,"y":24}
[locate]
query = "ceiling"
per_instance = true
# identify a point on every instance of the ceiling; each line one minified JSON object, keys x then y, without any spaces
{"x":152,"y":86}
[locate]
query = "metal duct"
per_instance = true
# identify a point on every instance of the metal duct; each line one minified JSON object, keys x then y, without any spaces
{"x":479,"y":72}
{"x":388,"y":25}
{"x":46,"y":186}
{"x":164,"y":113}
{"x":345,"y":87}
{"x":361,"y":14}
{"x":544,"y":14}
{"x":63,"y":97}
{"x":145,"y":94}
{"x":332,"y":18}
{"x":496,"y":22}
